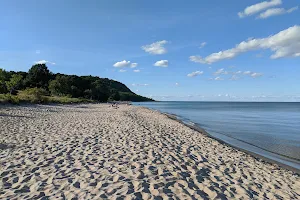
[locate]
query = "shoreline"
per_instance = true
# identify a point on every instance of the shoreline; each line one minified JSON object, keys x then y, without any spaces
{"x":95,"y":151}
{"x":195,"y":127}
{"x":255,"y":155}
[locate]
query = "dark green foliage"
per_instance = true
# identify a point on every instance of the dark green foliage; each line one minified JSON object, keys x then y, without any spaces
{"x":3,"y":78}
{"x":34,"y":95}
{"x":69,"y":86}
{"x":13,"y":82}
{"x":127,"y":96}
{"x":38,"y":76}
{"x":115,"y":96}
{"x":100,"y":91}
{"x":87,"y":94}
{"x":60,"y":86}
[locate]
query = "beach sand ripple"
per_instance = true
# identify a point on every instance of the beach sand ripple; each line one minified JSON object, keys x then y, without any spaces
{"x":98,"y":152}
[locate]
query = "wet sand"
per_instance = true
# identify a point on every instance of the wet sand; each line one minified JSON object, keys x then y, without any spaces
{"x":95,"y":151}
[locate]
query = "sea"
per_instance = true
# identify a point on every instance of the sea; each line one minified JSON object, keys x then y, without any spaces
{"x":268,"y":129}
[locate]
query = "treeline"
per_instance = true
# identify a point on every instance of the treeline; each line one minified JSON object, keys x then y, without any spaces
{"x":87,"y":87}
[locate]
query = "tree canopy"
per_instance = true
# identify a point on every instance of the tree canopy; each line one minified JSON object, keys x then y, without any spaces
{"x":38,"y":76}
{"x":88,"y":87}
{"x":13,"y":82}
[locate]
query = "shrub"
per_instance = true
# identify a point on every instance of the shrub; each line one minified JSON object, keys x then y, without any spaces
{"x":13,"y":82}
{"x":8,"y":98}
{"x":34,"y":95}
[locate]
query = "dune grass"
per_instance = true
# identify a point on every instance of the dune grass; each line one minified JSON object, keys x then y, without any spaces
{"x":35,"y":95}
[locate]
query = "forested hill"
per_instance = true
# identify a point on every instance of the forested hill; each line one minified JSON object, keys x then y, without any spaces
{"x":87,"y":87}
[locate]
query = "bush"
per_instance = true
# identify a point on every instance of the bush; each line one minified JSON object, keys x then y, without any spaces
{"x":8,"y":98}
{"x":3,"y":88}
{"x":33,"y":95}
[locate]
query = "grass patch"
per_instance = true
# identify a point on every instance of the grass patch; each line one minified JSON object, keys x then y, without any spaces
{"x":67,"y":100}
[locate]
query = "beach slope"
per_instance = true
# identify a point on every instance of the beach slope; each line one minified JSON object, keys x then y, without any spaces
{"x":95,"y":151}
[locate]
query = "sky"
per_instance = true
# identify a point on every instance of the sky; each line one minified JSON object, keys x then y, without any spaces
{"x":175,"y":50}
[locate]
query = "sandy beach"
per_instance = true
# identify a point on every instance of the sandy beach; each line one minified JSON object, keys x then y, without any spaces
{"x":94,"y":151}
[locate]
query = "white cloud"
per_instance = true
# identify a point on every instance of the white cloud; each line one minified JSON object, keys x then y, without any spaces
{"x":203,"y":44}
{"x":177,"y":84}
{"x":196,"y":73}
{"x":220,"y":71}
{"x":237,"y":72}
{"x":252,"y":74}
{"x":256,"y":8}
{"x":122,"y":70}
{"x":247,"y":72}
{"x":37,"y":51}
{"x":197,"y":59}
{"x":138,"y":84}
{"x":162,"y":63}
{"x":292,"y":9}
{"x":136,"y":70}
{"x":255,"y":75}
{"x":123,"y":63}
{"x":44,"y":62}
{"x":234,"y":78}
{"x":156,"y":47}
{"x":284,"y":44}
{"x":276,"y":11}
{"x":219,"y":79}
{"x":133,"y":65}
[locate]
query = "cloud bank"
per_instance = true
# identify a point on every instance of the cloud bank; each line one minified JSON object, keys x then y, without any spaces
{"x":284,"y":44}
{"x":256,"y":8}
{"x":276,"y":11}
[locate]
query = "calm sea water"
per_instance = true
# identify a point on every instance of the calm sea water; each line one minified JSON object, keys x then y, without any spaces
{"x":268,"y":129}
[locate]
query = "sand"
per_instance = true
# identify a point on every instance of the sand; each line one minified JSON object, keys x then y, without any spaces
{"x":95,"y":151}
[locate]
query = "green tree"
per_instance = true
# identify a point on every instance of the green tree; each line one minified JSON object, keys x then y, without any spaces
{"x":100,"y":91}
{"x":87,"y":94}
{"x":2,"y":74}
{"x":75,"y":92}
{"x":54,"y":87}
{"x":3,"y":88}
{"x":60,"y":86}
{"x":38,"y":76}
{"x":115,"y":96}
{"x":13,"y":82}
{"x":90,"y":87}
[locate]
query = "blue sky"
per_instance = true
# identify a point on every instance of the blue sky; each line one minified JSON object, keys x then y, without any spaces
{"x":183,"y":38}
